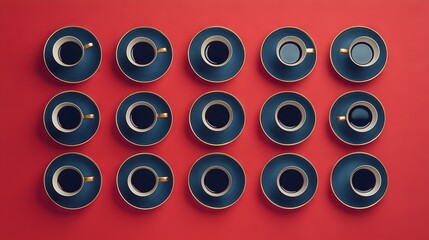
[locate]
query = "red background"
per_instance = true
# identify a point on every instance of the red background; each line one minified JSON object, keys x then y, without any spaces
{"x":26,"y":149}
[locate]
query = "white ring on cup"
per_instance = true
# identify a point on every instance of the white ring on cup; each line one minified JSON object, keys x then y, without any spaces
{"x":134,"y":189}
{"x":57,"y":109}
{"x":377,"y":176}
{"x":210,"y":40}
{"x":374,"y":47}
{"x":300,"y":108}
{"x":57,"y":186}
{"x":298,"y":42}
{"x":130,"y":121}
{"x":217,"y":102}
{"x":207,"y":190}
{"x":57,"y":46}
{"x":304,"y":184}
{"x":132,"y":43}
{"x":373,"y":111}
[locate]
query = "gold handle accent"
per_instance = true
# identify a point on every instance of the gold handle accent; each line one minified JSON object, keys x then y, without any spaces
{"x":88,"y":45}
{"x":88,"y":116}
{"x":341,"y":118}
{"x":344,"y":50}
{"x":161,"y":50}
{"x":310,"y":50}
{"x":88,"y":179}
{"x":163,"y":179}
{"x":162,"y":115}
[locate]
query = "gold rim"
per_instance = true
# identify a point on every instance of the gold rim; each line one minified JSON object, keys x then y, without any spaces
{"x":143,"y":145}
{"x":147,"y":27}
{"x":354,"y":81}
{"x":189,"y":177}
{"x":151,"y":154}
{"x":332,"y":187}
{"x":46,"y":65}
{"x":317,"y":182}
{"x":283,"y":144}
{"x":83,"y":155}
{"x":315,"y":54}
{"x":360,"y":144}
{"x":244,"y":56}
{"x":78,"y":144}
{"x":221,"y":144}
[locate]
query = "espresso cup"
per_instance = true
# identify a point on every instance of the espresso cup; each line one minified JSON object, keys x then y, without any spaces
{"x":142,"y":116}
{"x":69,"y":180}
{"x":290,"y":116}
{"x":291,"y":51}
{"x":142,"y":51}
{"x":217,"y":115}
{"x":143,"y":181}
{"x":361,"y":116}
{"x":68,"y":51}
{"x":216,"y":181}
{"x":67,"y":117}
{"x":216,"y":51}
{"x":292,"y":181}
{"x":363,"y":51}
{"x":365,"y":180}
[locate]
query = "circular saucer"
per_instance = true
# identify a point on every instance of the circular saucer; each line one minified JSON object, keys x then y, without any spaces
{"x":273,"y":65}
{"x":269,"y":181}
{"x":216,"y":138}
{"x":342,"y":62}
{"x":89,"y":191}
{"x":85,"y":131}
{"x":83,"y":70}
{"x":343,"y":131}
{"x":158,"y":132}
{"x":163,"y":189}
{"x":211,"y":73}
{"x":157,"y":68}
{"x":340,"y":180}
{"x":273,"y":130}
{"x":236,"y":189}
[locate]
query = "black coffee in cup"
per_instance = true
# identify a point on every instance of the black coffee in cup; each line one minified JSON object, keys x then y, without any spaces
{"x":360,"y":116}
{"x":143,"y":53}
{"x":290,"y":52}
{"x":291,"y":180}
{"x":216,"y":52}
{"x":362,"y":53}
{"x":70,"y":53}
{"x":69,"y":117}
{"x":70,"y":180}
{"x":363,"y":180}
{"x":289,"y":116}
{"x":217,"y":116}
{"x":143,"y":180}
{"x":142,"y":116}
{"x":216,"y":180}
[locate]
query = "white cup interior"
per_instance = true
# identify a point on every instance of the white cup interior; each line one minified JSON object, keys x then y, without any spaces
{"x":301,"y":110}
{"x":377,"y":184}
{"x":298,"y":42}
{"x":374,"y":114}
{"x":304,"y":184}
{"x":55,"y":117}
{"x":130,"y":122}
{"x":210,"y":40}
{"x":57,"y":47}
{"x":57,"y":186}
{"x":132,"y":43}
{"x":372,"y":44}
{"x":137,"y":192}
{"x":210,"y":192}
{"x":226,"y":106}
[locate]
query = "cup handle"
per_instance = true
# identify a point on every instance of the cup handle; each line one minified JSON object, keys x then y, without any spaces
{"x":89,"y":116}
{"x":161,"y":50}
{"x":163,"y":179}
{"x":341,"y":118}
{"x":162,"y":115}
{"x":344,"y":50}
{"x":310,"y":50}
{"x":88,"y":45}
{"x":88,"y":179}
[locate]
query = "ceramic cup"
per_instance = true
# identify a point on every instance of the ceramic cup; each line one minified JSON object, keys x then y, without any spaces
{"x":216,"y":51}
{"x":142,"y":116}
{"x":290,"y":116}
{"x":142,"y":51}
{"x":68,"y":180}
{"x":216,"y":181}
{"x":361,"y":116}
{"x":291,"y":51}
{"x":67,"y":117}
{"x":217,"y":115}
{"x":363,"y":51}
{"x":365,"y":180}
{"x":292,"y":181}
{"x":68,"y":51}
{"x":143,"y":181}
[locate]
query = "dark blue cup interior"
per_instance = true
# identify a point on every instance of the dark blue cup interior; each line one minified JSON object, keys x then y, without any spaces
{"x":217,"y":116}
{"x":363,"y":180}
{"x":216,"y":52}
{"x":360,"y":116}
{"x":69,"y":117}
{"x":144,"y":180}
{"x":142,"y":117}
{"x":362,"y":53}
{"x":143,"y":53}
{"x":291,"y":180}
{"x":70,"y":180}
{"x":216,"y":180}
{"x":289,"y":116}
{"x":290,"y":52}
{"x":70,"y":53}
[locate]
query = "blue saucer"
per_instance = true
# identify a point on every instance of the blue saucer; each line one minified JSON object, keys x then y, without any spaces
{"x":162,"y":192}
{"x":154,"y":135}
{"x":211,"y":137}
{"x":237,"y":185}
{"x":153,"y":71}
{"x":273,"y":65}
{"x":83,"y":70}
{"x":343,"y":131}
{"x":89,"y":191}
{"x":340,"y":180}
{"x":274,"y":132}
{"x":342,"y":62}
{"x":87,"y":129}
{"x":269,"y":181}
{"x":210,"y":73}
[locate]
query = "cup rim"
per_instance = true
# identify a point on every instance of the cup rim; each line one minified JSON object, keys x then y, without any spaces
{"x":56,"y":111}
{"x":377,"y":185}
{"x":134,"y":190}
{"x":372,"y":44}
{"x":57,"y":186}
{"x":304,"y":184}
{"x":223,"y":104}
{"x":207,"y":190}
{"x":221,"y":39}
{"x":131,"y":45}
{"x":374,"y":114}
{"x":129,"y":119}
{"x":295,"y":40}
{"x":59,"y":43}
{"x":300,"y":108}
